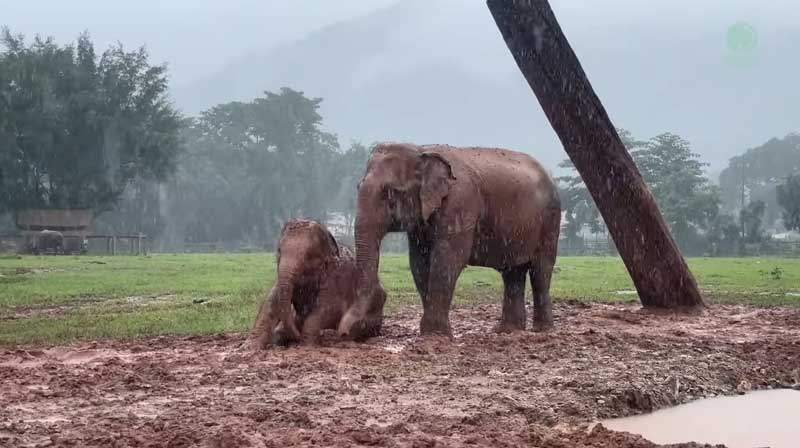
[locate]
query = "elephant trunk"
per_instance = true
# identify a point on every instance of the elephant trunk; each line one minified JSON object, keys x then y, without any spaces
{"x":365,"y":316}
{"x":287,"y":278}
{"x":372,"y":224}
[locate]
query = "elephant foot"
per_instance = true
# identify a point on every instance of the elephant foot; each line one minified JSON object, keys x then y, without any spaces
{"x":435,"y":327}
{"x":508,"y":327}
{"x":542,"y":325}
{"x":360,"y":330}
{"x":363,"y":332}
{"x":282,"y":336}
{"x":355,"y":328}
{"x":311,"y":340}
{"x":252,"y":346}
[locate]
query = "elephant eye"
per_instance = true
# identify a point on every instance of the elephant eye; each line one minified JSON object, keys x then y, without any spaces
{"x":391,"y":193}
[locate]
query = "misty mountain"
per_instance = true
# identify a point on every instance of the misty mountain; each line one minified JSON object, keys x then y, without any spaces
{"x":437,"y":71}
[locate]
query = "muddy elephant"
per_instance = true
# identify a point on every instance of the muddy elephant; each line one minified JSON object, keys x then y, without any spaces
{"x":315,"y":285}
{"x":459,"y":206}
{"x":48,"y":240}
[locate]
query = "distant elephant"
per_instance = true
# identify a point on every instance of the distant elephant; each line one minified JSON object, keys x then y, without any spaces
{"x":314,"y":287}
{"x":47,"y":240}
{"x":459,"y":206}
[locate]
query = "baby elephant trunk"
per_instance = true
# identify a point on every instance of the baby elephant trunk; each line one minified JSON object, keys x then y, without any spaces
{"x":286,"y":331}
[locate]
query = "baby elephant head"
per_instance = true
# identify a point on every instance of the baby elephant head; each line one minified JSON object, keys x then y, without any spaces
{"x":305,"y":252}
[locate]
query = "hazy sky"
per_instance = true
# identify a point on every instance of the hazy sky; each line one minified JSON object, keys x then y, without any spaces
{"x":658,"y":65}
{"x":196,"y":37}
{"x":190,"y":33}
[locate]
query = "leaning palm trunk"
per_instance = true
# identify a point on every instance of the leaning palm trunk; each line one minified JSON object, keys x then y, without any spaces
{"x":554,"y":73}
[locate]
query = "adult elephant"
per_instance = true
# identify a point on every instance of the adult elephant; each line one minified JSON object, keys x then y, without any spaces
{"x":459,"y":206}
{"x":48,"y":240}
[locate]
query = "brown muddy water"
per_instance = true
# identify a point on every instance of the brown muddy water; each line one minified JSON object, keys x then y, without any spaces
{"x":758,"y":419}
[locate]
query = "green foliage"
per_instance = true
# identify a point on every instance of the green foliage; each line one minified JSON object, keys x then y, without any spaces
{"x":750,"y":219}
{"x":690,"y":205}
{"x":775,"y":274}
{"x":676,"y":178}
{"x":578,"y":205}
{"x":788,"y":196}
{"x":75,"y":128}
{"x":349,"y":169}
{"x":756,"y":174}
{"x":724,"y":235}
{"x":250,"y":166}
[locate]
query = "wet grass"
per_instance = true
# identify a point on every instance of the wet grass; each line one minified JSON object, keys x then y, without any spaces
{"x":61,"y":299}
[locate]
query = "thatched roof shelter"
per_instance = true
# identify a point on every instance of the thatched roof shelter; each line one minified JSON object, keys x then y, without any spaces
{"x":64,"y":220}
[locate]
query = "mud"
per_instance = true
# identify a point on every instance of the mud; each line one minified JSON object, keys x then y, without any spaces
{"x":483,"y":389}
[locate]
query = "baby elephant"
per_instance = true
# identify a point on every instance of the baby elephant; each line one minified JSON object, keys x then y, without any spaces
{"x":314,"y":288}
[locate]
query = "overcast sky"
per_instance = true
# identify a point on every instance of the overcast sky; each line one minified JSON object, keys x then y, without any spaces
{"x":658,"y":65}
{"x":198,"y":37}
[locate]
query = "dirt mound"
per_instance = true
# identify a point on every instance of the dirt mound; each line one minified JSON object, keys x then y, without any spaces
{"x":483,"y":389}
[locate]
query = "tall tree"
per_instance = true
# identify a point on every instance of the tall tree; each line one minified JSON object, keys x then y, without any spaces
{"x":750,"y":218}
{"x":676,"y":178}
{"x":349,"y":170}
{"x":75,"y":128}
{"x":789,"y":198}
{"x":756,"y":174}
{"x":578,"y":206}
{"x":250,"y":166}
{"x":554,"y":73}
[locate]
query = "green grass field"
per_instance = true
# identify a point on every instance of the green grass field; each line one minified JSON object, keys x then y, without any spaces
{"x":61,"y":299}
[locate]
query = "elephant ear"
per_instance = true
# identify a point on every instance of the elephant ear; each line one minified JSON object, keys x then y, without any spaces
{"x":437,"y":178}
{"x":334,"y":247}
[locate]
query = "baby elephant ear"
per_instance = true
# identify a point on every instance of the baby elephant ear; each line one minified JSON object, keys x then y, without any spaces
{"x":331,"y":241}
{"x":437,"y":178}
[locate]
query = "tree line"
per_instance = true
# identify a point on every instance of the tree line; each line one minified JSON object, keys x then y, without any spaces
{"x":245,"y":169}
{"x":82,"y":130}
{"x":757,"y":191}
{"x":78,"y":130}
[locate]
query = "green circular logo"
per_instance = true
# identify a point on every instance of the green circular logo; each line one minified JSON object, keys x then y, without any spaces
{"x":742,"y":37}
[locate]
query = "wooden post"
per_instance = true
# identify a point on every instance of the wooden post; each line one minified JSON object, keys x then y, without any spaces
{"x":554,"y":73}
{"x":114,"y":245}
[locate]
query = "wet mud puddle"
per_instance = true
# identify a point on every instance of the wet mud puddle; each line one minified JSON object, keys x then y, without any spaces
{"x":758,"y":419}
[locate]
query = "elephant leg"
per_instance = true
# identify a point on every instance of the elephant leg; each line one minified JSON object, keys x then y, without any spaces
{"x":542,"y":304}
{"x":312,"y":327}
{"x":448,"y":259}
{"x":420,"y":261}
{"x":326,"y":315}
{"x":542,"y":270}
{"x":513,"y":317}
{"x":261,"y":335}
{"x":363,"y":320}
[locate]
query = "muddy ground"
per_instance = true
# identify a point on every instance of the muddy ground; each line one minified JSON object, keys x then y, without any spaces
{"x":484,"y":389}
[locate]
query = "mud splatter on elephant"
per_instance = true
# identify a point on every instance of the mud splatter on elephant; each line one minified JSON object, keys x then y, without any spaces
{"x":459,"y":206}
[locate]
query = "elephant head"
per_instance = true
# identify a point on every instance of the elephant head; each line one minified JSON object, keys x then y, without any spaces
{"x":402,"y":188}
{"x":305,"y":252}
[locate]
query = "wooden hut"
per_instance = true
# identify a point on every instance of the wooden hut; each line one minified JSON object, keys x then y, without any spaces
{"x":73,"y":224}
